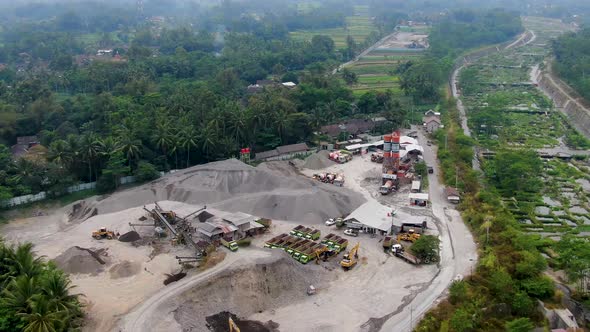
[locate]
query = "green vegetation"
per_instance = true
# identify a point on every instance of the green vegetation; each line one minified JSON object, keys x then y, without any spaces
{"x":426,"y":248}
{"x":572,"y":54}
{"x":35,"y":295}
{"x":360,"y":27}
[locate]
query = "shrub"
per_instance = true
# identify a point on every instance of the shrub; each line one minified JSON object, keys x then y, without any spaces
{"x":146,"y":172}
{"x":244,"y":242}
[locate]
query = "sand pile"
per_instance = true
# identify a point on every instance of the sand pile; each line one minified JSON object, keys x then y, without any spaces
{"x":234,"y":186}
{"x":77,"y":260}
{"x":131,"y":236}
{"x":124,"y":269}
{"x":81,"y":211}
{"x":318,"y":160}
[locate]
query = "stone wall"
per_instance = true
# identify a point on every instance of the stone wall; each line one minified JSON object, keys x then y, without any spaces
{"x":566,"y":100}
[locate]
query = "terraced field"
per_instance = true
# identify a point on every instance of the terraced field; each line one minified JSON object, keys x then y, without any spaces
{"x":506,"y":110}
{"x":358,"y":26}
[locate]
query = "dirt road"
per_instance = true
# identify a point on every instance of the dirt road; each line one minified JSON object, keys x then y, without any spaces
{"x":458,"y":250}
{"x":141,"y":318}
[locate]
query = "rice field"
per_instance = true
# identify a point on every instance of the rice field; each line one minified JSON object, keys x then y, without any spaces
{"x":358,"y":26}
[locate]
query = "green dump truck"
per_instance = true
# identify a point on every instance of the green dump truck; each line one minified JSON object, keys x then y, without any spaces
{"x":229,"y":244}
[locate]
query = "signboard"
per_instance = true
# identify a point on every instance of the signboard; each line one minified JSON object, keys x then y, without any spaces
{"x":389,"y":176}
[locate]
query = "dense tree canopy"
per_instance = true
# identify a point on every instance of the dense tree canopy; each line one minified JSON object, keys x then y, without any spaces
{"x":572,"y":60}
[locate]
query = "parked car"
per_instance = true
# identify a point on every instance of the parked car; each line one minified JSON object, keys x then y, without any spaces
{"x":330,"y":222}
{"x":429,"y":143}
{"x":351,"y":232}
{"x":430,"y":170}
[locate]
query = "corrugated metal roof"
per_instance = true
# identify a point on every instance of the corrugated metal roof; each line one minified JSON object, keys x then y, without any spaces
{"x":299,"y":147}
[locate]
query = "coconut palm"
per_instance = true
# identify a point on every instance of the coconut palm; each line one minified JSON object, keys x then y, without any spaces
{"x":209,"y":140}
{"x":60,"y":153}
{"x":19,"y":293}
{"x":131,"y":148}
{"x":89,"y":149}
{"x":23,"y":262}
{"x":42,"y":318}
{"x":56,"y":287}
{"x":188,"y":140}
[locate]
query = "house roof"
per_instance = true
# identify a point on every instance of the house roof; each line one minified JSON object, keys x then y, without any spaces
{"x":421,"y":196}
{"x":374,"y":215}
{"x":299,"y":147}
{"x":432,"y":118}
{"x":353,"y":126}
{"x":27,"y":139}
{"x":450,"y":191}
{"x":266,"y":154}
{"x":239,"y":218}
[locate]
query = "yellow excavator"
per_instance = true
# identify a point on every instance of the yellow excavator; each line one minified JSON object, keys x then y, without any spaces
{"x":350,"y":259}
{"x":411,"y":236}
{"x":232,"y":326}
{"x":324,"y":253}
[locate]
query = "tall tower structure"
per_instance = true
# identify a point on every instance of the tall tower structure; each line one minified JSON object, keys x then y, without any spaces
{"x":140,"y":8}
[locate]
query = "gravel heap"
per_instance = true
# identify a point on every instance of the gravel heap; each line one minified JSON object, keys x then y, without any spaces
{"x":78,"y":260}
{"x":131,"y":236}
{"x":318,"y":160}
{"x":234,"y":186}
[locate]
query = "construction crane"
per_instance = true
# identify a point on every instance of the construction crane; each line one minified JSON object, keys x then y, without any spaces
{"x":232,"y":326}
{"x":350,"y":259}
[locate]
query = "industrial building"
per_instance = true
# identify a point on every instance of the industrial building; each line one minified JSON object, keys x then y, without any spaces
{"x":372,"y":218}
{"x":214,"y":224}
{"x":284,"y":152}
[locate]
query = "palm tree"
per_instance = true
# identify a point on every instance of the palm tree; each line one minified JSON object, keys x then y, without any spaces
{"x":56,"y":287}
{"x":162,"y":137}
{"x":18,"y":294}
{"x":280,"y":122}
{"x":188,"y":140}
{"x":89,"y":148}
{"x":60,"y":153}
{"x":42,"y":318}
{"x":23,"y":262}
{"x":109,"y":146}
{"x":131,"y":148}
{"x":209,"y":139}
{"x":238,"y":120}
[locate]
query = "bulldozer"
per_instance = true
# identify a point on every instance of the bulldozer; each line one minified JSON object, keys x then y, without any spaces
{"x":411,"y":236}
{"x":351,"y":258}
{"x":103,"y":233}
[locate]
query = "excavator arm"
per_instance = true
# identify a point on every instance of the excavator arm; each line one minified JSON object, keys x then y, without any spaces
{"x":232,"y":326}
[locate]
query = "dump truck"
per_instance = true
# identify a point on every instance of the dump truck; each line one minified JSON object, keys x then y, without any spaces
{"x":351,"y":258}
{"x":104,"y":233}
{"x":296,"y":246}
{"x":339,"y":180}
{"x":399,"y":251}
{"x":313,"y":234}
{"x":297,"y":252}
{"x":388,"y":241}
{"x":309,"y":253}
{"x":272,"y":242}
{"x":229,"y":244}
{"x":335,"y":242}
{"x":299,"y":242}
{"x":298,"y":231}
